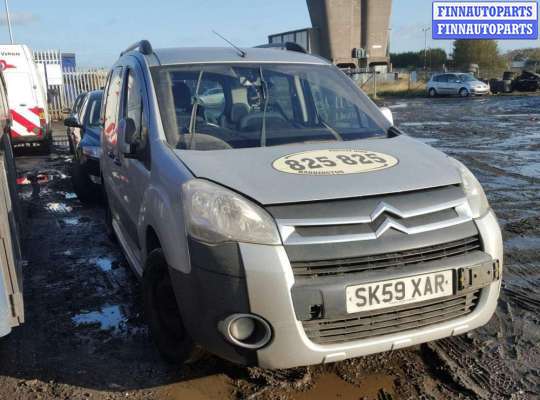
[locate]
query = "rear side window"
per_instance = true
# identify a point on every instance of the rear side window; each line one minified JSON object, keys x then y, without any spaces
{"x":110,"y":117}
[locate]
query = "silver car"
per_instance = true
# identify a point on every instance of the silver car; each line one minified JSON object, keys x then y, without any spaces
{"x":290,"y":223}
{"x":463,"y":85}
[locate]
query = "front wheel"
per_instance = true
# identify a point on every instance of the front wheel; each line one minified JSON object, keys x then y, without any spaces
{"x":463,"y":92}
{"x":162,"y":313}
{"x":432,"y":92}
{"x":86,"y":190}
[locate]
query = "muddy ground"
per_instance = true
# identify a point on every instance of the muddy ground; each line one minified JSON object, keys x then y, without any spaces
{"x":85,"y":336}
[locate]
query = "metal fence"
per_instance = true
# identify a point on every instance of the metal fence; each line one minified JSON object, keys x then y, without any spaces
{"x":65,"y":84}
{"x":75,"y":82}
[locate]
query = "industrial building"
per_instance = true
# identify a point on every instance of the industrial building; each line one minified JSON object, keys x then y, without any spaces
{"x":350,"y":33}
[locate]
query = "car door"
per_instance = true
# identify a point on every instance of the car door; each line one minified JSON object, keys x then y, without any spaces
{"x":454,"y":84}
{"x":134,"y":166}
{"x":11,"y":300}
{"x":109,"y":141}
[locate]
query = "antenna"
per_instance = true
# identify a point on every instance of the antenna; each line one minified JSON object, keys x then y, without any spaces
{"x":241,"y":52}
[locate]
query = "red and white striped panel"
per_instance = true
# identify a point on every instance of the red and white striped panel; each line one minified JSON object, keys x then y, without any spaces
{"x":26,"y":122}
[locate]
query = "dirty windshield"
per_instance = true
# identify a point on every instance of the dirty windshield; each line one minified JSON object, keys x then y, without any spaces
{"x":214,"y":107}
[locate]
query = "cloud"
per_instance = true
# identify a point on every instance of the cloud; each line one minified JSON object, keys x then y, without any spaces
{"x":19,"y":18}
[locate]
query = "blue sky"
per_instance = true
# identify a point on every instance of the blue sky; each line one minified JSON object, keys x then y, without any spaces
{"x":98,"y":30}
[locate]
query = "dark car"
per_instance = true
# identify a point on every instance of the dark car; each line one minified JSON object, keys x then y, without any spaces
{"x":86,"y":175}
{"x":72,"y":133}
{"x":527,"y":82}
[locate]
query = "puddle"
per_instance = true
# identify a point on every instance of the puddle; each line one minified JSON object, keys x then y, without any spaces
{"x":109,"y":317}
{"x":427,"y":123}
{"x":398,"y":105}
{"x":71,"y":221}
{"x":58,"y":207}
{"x":330,"y":386}
{"x":523,"y":243}
{"x":104,"y":264}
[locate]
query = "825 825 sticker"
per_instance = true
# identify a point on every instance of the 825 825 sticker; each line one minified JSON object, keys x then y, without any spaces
{"x":334,"y":162}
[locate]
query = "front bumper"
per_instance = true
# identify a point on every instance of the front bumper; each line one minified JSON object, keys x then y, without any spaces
{"x":269,"y":281}
{"x":480,"y":92}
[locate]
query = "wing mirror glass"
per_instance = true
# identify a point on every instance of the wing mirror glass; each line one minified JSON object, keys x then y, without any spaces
{"x":129,"y":138}
{"x":388,"y":115}
{"x":72,"y":122}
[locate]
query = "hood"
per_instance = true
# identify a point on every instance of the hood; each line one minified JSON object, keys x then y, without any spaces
{"x":258,"y":172}
{"x":91,"y":137}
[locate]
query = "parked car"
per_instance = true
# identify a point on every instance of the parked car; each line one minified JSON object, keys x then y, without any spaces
{"x":299,"y":226}
{"x":73,"y":134}
{"x":27,"y":96}
{"x":527,"y":81}
{"x":11,"y":299}
{"x":86,"y":174}
{"x":460,"y":84}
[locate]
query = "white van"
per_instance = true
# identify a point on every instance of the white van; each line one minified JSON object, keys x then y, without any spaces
{"x":27,"y":97}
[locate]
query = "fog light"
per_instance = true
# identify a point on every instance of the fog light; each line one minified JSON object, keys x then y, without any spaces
{"x":246,"y":330}
{"x":242,"y":328}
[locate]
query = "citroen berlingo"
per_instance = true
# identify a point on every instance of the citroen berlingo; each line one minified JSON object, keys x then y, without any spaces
{"x":277,"y":218}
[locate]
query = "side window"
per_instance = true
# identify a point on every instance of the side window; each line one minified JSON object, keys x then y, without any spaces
{"x":133,"y":106}
{"x":110,"y":116}
{"x":82,"y":108}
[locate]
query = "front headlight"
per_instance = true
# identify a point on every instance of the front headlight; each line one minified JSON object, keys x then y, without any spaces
{"x":215,"y":214}
{"x":92,"y":151}
{"x":476,"y":197}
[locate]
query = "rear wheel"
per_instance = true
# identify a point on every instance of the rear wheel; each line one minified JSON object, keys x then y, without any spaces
{"x":162,"y":313}
{"x":432,"y":92}
{"x":463,"y":92}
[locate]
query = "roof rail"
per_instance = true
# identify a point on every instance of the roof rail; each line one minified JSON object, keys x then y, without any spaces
{"x":290,"y":46}
{"x":144,"y":47}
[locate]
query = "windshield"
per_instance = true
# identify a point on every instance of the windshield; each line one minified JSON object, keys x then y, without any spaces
{"x":467,"y":78}
{"x":211,"y":107}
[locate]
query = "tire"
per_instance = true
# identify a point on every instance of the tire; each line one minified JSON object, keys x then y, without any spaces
{"x":463,"y":92}
{"x":432,"y":92}
{"x":87,"y":191}
{"x":71,"y":145}
{"x":108,"y":222}
{"x":162,"y":313}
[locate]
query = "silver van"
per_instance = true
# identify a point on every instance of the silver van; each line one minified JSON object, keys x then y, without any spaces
{"x":463,"y":85}
{"x":288,"y":222}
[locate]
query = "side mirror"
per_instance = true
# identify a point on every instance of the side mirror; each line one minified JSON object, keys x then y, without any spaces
{"x":388,"y":115}
{"x":72,"y":122}
{"x":128,"y":139}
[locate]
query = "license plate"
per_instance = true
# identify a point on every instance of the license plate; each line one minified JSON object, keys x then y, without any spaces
{"x":396,"y":292}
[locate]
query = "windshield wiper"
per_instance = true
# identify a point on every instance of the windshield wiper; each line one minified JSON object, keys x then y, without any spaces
{"x":193,"y":119}
{"x":332,"y":130}
{"x":265,"y":95}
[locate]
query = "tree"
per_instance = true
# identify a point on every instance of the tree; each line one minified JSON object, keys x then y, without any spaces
{"x":436,"y":58}
{"x":485,"y":53}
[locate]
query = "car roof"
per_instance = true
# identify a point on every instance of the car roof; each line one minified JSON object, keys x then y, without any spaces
{"x":215,"y":55}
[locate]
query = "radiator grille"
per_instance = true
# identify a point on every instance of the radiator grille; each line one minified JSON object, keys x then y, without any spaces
{"x":387,"y":260}
{"x":385,"y":322}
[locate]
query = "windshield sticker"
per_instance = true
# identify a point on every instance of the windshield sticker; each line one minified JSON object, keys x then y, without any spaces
{"x":334,"y":162}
